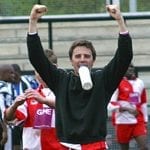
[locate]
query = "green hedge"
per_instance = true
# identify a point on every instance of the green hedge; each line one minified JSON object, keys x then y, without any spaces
{"x":23,"y":7}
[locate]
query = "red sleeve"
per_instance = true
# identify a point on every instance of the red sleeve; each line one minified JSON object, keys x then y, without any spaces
{"x":143,"y":96}
{"x":19,"y":115}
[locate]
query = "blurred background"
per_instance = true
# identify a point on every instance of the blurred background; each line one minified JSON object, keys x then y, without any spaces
{"x":23,"y":7}
{"x":58,"y":33}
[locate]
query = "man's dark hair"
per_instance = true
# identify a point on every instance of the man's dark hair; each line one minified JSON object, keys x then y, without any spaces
{"x":85,"y":43}
{"x":17,"y":68}
{"x":51,"y":55}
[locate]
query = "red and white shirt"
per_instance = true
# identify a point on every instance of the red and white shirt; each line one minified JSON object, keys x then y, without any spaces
{"x":26,"y":113}
{"x":131,"y":94}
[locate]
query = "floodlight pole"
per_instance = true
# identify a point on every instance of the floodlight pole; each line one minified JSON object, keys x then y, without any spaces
{"x":113,"y":2}
{"x":133,"y":5}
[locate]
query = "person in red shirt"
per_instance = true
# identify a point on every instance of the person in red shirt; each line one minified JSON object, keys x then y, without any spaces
{"x":129,"y":107}
{"x":35,"y":109}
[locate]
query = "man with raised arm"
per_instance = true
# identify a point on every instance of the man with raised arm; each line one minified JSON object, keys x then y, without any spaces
{"x":81,"y":115}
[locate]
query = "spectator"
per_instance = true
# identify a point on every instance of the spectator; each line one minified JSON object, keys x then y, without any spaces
{"x":129,"y":106}
{"x":23,"y":82}
{"x":19,"y":85}
{"x":6,"y":78}
{"x":31,"y":79}
{"x":26,"y":107}
{"x":78,"y":111}
{"x":3,"y":132}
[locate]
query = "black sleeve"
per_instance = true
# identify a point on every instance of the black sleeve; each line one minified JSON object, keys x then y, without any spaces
{"x":116,"y":68}
{"x":42,"y":65}
{"x":0,"y":115}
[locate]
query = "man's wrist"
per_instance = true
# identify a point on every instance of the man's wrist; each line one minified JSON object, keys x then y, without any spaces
{"x":32,"y":33}
{"x":124,"y":32}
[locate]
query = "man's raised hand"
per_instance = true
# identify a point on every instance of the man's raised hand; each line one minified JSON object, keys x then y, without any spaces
{"x":38,"y":11}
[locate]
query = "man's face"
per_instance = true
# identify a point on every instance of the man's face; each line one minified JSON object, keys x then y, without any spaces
{"x":17,"y":77}
{"x":9,"y":75}
{"x":81,"y":56}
